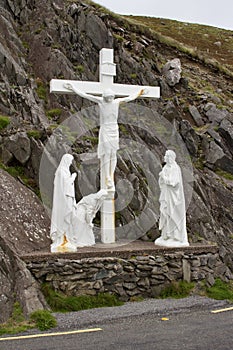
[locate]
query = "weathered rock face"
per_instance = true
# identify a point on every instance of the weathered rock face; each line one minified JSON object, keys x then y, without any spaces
{"x":17,"y":283}
{"x":24,"y":223}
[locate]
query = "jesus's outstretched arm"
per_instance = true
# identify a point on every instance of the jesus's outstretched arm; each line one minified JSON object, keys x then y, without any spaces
{"x":131,"y":97}
{"x":92,"y":98}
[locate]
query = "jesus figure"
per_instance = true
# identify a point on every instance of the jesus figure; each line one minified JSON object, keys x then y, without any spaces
{"x":109,"y":131}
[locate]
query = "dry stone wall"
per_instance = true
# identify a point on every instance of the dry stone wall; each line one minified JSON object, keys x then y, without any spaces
{"x":135,"y":276}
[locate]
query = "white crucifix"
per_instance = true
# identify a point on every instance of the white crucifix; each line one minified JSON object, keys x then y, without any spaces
{"x":104,"y":93}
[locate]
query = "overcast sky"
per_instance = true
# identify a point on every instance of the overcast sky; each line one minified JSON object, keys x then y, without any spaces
{"x":217,"y":13}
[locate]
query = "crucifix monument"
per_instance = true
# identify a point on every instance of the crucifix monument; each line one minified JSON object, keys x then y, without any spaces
{"x":109,"y":134}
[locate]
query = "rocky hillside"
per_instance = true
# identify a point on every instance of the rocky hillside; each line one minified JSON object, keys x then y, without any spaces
{"x":41,"y":40}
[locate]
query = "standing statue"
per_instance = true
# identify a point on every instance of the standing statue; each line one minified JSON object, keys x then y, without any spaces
{"x":172,"y":220}
{"x":71,"y":222}
{"x":63,"y":205}
{"x":109,"y":131}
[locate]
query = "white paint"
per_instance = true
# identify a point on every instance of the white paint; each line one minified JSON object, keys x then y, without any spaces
{"x":89,"y":90}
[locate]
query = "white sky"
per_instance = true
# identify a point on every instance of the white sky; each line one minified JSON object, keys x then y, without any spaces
{"x":217,"y":13}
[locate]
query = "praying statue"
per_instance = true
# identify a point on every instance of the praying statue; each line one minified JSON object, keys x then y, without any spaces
{"x":63,"y":205}
{"x":172,"y":222}
{"x":71,"y":222}
{"x":109,"y":130}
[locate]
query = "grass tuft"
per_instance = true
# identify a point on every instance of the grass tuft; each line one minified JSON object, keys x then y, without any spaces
{"x":43,"y":319}
{"x":177,"y":290}
{"x":16,"y":322}
{"x":62,"y":303}
{"x":4,"y":122}
{"x":220,"y":290}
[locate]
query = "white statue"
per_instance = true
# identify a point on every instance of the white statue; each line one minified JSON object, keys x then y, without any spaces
{"x":63,"y":206}
{"x":109,"y":131}
{"x":71,"y":223}
{"x":172,"y":221}
{"x":85,"y":212}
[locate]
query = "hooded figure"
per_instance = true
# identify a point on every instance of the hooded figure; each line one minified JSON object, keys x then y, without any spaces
{"x":63,"y":204}
{"x":172,"y":221}
{"x":71,"y":223}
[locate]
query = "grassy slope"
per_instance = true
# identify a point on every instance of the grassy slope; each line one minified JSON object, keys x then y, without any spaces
{"x":201,"y":38}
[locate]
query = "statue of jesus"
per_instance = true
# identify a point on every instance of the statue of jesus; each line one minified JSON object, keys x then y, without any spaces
{"x":109,"y":131}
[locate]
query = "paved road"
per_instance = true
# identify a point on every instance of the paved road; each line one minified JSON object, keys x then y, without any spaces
{"x":190,"y":326}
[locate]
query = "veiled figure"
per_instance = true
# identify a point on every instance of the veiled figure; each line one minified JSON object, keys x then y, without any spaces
{"x":71,"y":222}
{"x":172,"y":222}
{"x":64,"y":203}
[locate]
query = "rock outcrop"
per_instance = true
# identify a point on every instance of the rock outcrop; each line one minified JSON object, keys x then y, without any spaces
{"x":24,"y":223}
{"x":17,"y":283}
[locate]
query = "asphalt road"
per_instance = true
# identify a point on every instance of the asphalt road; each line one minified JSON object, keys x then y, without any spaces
{"x":165,"y":326}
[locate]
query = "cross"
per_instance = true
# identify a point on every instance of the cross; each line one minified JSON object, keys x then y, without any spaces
{"x":107,"y":71}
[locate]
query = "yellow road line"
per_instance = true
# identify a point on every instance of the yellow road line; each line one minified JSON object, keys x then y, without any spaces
{"x":221,"y":310}
{"x":52,"y":334}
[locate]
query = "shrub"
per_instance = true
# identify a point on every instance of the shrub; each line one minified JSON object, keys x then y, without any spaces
{"x":43,"y":319}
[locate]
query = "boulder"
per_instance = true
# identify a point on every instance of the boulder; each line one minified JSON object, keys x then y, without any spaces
{"x":214,"y":114}
{"x":216,"y":158}
{"x":19,"y":145}
{"x":98,"y":32}
{"x":226,"y":131}
{"x":190,"y":137}
{"x":172,"y":72}
{"x":196,"y":115}
{"x":213,"y":153}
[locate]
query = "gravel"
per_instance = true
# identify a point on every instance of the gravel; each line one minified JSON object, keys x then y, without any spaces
{"x":159,"y":307}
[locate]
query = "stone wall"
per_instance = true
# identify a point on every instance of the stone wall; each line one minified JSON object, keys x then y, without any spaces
{"x":144,"y":275}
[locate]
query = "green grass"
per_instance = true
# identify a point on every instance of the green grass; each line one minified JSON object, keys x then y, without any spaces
{"x":16,"y":322}
{"x":177,"y":290}
{"x":4,"y":122}
{"x":198,"y":40}
{"x":43,"y":319}
{"x":41,"y":90}
{"x":36,"y":134}
{"x":18,"y":172}
{"x":224,"y":174}
{"x":62,"y":303}
{"x":79,"y":68}
{"x":220,"y":290}
{"x":93,"y":139}
{"x":15,"y":171}
{"x":55,"y":112}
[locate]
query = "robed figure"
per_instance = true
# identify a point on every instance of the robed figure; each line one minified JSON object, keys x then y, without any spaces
{"x":64,"y":202}
{"x":71,"y":222}
{"x":172,"y":222}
